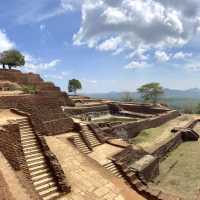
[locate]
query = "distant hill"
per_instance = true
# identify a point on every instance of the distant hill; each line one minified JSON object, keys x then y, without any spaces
{"x":178,"y":99}
{"x":193,"y":93}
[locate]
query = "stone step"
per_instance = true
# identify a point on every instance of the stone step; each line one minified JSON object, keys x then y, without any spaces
{"x":27,"y":127}
{"x":35,"y":158}
{"x":33,"y":155}
{"x":41,"y":176}
{"x":34,"y":147}
{"x":45,"y":186}
{"x":39,"y":172}
{"x":52,"y":196}
{"x":22,"y":120}
{"x":43,"y":181}
{"x":27,"y":138}
{"x":32,"y":144}
{"x":24,"y":132}
{"x":48,"y":191}
{"x":32,"y":152}
{"x":24,"y":126}
{"x":36,"y":163}
{"x":37,"y":168}
{"x":24,"y":135}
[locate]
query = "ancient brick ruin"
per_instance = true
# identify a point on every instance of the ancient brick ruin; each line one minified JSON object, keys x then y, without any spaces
{"x":52,"y":142}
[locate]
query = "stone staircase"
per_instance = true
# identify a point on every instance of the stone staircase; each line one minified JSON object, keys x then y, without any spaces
{"x":112,"y":168}
{"x":80,"y":144}
{"x":40,"y":173}
{"x":92,"y":139}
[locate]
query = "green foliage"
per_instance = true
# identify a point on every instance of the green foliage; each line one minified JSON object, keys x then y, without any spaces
{"x":74,"y":85}
{"x":151,"y":92}
{"x":29,"y":89}
{"x":12,"y":58}
{"x":197,"y":110}
{"x":127,"y":97}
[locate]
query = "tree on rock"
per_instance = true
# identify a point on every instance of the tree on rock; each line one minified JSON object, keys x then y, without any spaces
{"x":151,"y":92}
{"x":12,"y":58}
{"x":74,"y":85}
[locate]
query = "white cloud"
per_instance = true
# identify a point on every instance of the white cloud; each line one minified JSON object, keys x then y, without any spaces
{"x":153,"y":24}
{"x":136,"y":65}
{"x":162,"y":56}
{"x":191,"y":63}
{"x":181,"y":55}
{"x":71,"y":4}
{"x":35,"y":64}
{"x":5,"y":42}
{"x":38,"y":11}
{"x":42,"y":27}
{"x":110,"y":44}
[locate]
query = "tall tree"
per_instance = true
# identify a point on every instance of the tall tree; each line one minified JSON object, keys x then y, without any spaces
{"x":12,"y":58}
{"x":127,"y":97}
{"x":74,"y":85}
{"x":151,"y":92}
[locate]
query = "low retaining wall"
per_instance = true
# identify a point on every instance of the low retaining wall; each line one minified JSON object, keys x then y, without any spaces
{"x":134,"y":128}
{"x":10,"y":145}
{"x":165,"y":147}
{"x":81,"y":110}
{"x":143,"y":108}
{"x":55,"y":166}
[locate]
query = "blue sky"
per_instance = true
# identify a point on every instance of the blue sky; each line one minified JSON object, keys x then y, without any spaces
{"x":110,"y":45}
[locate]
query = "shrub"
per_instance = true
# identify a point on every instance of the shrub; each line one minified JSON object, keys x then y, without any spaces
{"x":29,"y":89}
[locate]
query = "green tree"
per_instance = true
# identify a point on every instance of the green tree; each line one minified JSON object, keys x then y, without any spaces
{"x":197,"y":110}
{"x":127,"y":97}
{"x":12,"y":58}
{"x":74,"y":85}
{"x":151,"y":92}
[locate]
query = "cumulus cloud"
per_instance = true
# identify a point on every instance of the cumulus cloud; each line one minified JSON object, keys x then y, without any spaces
{"x":136,"y":65}
{"x":35,"y":64}
{"x":110,"y":44}
{"x":130,"y":25}
{"x":5,"y":42}
{"x":181,"y":55}
{"x":162,"y":56}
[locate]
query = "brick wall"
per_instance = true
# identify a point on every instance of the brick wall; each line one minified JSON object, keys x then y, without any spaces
{"x":10,"y":145}
{"x":142,"y":108}
{"x":46,"y":113}
{"x":44,"y":88}
{"x":132,"y":129}
{"x":76,"y":110}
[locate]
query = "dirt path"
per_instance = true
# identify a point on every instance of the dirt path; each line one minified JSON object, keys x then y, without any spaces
{"x":6,"y":115}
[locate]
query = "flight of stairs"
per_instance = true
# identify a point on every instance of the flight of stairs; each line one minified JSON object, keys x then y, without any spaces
{"x":80,"y":144}
{"x":92,"y":139}
{"x":112,"y":168}
{"x":40,"y":173}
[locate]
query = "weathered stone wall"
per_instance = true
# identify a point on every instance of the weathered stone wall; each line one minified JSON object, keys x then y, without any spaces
{"x":149,"y":172}
{"x":133,"y":128}
{"x":10,"y":145}
{"x":164,"y":148}
{"x":77,"y":110}
{"x":55,"y":166}
{"x":143,"y":108}
{"x":46,"y":113}
{"x":44,"y":88}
